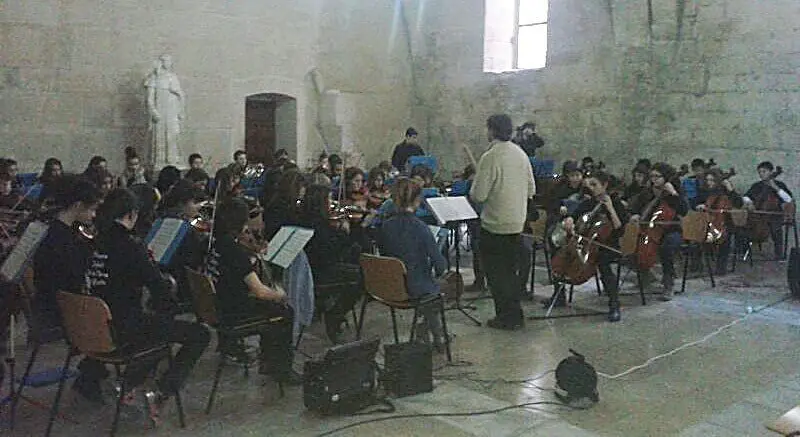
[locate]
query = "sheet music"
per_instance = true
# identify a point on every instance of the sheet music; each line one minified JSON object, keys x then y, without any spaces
{"x":22,"y":253}
{"x":451,"y":209}
{"x":164,"y":237}
{"x":287,"y":244}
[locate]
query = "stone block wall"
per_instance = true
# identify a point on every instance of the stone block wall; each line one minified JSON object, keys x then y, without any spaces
{"x":72,"y":71}
{"x":702,"y":78}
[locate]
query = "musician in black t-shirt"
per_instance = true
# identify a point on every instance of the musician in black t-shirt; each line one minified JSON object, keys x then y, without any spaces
{"x":60,"y":262}
{"x":119,"y":271}
{"x":241,"y":294}
{"x":612,"y":208}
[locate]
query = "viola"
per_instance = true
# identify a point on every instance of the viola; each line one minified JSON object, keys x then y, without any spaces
{"x":576,"y":262}
{"x":759,"y":224}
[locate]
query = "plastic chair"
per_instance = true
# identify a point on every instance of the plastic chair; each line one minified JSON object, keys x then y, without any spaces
{"x":386,"y":282}
{"x":205,"y":308}
{"x":87,"y":324}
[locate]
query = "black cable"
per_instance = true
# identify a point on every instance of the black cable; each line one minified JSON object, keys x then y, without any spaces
{"x":468,"y":414}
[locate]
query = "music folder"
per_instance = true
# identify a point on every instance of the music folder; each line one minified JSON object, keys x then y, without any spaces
{"x":165,"y":237}
{"x":21,"y":255}
{"x":287,"y":244}
{"x":451,"y":209}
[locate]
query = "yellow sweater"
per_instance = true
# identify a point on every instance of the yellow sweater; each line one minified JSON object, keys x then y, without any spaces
{"x":503,"y":184}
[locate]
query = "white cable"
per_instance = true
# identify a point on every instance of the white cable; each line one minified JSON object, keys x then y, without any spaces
{"x":750,"y":311}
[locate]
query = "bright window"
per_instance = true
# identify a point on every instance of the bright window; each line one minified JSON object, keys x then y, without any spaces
{"x":515,"y":35}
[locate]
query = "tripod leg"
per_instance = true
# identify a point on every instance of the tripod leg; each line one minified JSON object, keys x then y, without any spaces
{"x":61,"y":381}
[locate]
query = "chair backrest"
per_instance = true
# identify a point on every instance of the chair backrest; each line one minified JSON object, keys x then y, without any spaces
{"x":539,"y":227}
{"x":694,"y":226}
{"x":87,"y":322}
{"x":203,"y":295}
{"x":384,"y":278}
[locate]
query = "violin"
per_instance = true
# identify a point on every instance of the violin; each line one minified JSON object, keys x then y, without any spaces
{"x":87,"y":232}
{"x":759,"y":224}
{"x":576,"y":262}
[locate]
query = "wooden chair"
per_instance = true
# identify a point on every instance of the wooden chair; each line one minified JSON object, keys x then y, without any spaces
{"x":694,"y":230}
{"x":87,"y":324}
{"x":205,"y":308}
{"x":539,"y":233}
{"x":385,"y":280}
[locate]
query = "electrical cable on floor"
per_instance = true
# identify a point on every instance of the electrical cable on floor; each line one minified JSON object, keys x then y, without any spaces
{"x":750,"y":312}
{"x":467,"y":414}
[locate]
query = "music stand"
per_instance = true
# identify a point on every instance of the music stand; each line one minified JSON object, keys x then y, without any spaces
{"x":452,"y":212}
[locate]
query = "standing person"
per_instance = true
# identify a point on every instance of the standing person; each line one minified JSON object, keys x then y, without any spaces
{"x":408,"y":148}
{"x":503,"y":184}
{"x":528,"y":139}
{"x":134,"y":172}
{"x":196,"y":161}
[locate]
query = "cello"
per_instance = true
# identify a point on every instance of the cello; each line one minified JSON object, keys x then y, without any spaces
{"x":766,"y":205}
{"x":577,"y":262}
{"x":657,"y":214}
{"x":717,"y":205}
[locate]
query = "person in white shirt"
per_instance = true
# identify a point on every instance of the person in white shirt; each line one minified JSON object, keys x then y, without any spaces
{"x":503,"y":185}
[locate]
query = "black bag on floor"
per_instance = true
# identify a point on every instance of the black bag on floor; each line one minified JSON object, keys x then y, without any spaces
{"x":344,"y":381}
{"x":408,"y":369}
{"x":793,"y":272}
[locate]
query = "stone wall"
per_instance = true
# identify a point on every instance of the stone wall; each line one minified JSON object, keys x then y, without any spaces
{"x":701,"y":78}
{"x":71,"y":73}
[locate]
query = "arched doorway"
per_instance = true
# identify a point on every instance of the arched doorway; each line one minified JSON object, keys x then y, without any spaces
{"x":270,"y":124}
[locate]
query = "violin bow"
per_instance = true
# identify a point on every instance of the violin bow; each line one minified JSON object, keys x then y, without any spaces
{"x":213,"y":217}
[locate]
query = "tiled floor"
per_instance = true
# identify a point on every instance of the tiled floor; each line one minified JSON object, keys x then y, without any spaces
{"x":728,"y":385}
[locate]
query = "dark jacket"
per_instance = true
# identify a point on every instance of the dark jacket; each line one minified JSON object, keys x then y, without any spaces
{"x":760,"y":190}
{"x":119,"y":270}
{"x":406,"y":237}
{"x":676,"y":203}
{"x":327,"y":248}
{"x":58,"y":265}
{"x":228,"y":264}
{"x":588,"y":205}
{"x":563,"y":192}
{"x":402,"y":152}
{"x":191,"y":253}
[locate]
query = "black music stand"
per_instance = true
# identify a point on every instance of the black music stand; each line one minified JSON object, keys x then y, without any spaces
{"x":451,"y":212}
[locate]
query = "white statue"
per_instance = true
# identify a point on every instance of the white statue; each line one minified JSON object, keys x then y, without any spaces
{"x":165,"y":105}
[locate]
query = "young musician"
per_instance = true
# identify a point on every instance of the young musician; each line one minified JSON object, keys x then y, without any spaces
{"x":614,"y":212}
{"x":119,"y":270}
{"x":640,"y":182}
{"x":378,"y":191}
{"x":241,"y":294}
{"x":183,"y":203}
{"x":51,"y":174}
{"x":663,"y":181}
{"x":8,"y":166}
{"x":167,"y":177}
{"x":756,"y":197}
{"x":102,"y":178}
{"x":691,"y":185}
{"x":408,"y":148}
{"x":227,"y":183}
{"x":134,"y":172}
{"x":9,"y":199}
{"x":568,"y":193}
{"x":503,"y":184}
{"x":716,"y":187}
{"x":62,"y":258}
{"x":284,"y":206}
{"x":97,"y":161}
{"x":240,"y":158}
{"x":195,"y":161}
{"x":406,"y":237}
{"x":333,"y":257}
{"x":198,"y":177}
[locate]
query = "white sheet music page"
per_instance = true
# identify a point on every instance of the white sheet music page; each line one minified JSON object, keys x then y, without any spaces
{"x":166,"y":234}
{"x":284,"y":252}
{"x":451,"y":209}
{"x":23,"y":251}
